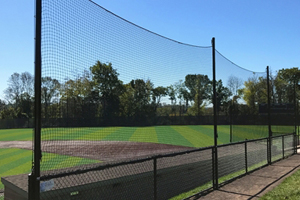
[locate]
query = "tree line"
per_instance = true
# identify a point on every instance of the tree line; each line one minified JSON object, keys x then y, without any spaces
{"x":98,"y":92}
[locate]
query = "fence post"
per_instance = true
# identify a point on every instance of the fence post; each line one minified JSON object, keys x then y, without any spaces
{"x":30,"y":186}
{"x":295,"y":143}
{"x":246,"y":157}
{"x":215,"y":113}
{"x":268,"y":151}
{"x":282,"y":146}
{"x":231,"y":120}
{"x":269,"y":117}
{"x":213,"y":166}
{"x":155,"y":178}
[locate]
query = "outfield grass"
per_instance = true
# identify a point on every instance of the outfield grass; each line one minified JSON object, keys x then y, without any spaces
{"x":189,"y":135}
{"x":18,"y":161}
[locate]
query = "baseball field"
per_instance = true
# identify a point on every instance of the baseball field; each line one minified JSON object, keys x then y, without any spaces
{"x":68,"y":147}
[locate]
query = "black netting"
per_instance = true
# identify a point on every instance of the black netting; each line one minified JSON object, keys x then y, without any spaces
{"x":257,"y":154}
{"x":276,"y":148}
{"x":112,"y":90}
{"x":128,"y":114}
{"x":188,"y":173}
{"x":289,"y":145}
{"x":240,"y":92}
{"x":231,"y":161}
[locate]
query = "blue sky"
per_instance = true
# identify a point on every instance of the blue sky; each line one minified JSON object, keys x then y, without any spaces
{"x":252,"y":34}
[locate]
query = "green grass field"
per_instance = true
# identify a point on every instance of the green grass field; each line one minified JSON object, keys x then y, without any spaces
{"x":17,"y":161}
{"x":288,"y":189}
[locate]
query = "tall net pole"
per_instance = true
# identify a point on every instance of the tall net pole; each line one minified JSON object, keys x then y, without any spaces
{"x":34,"y":183}
{"x":269,"y":116}
{"x":215,"y":116}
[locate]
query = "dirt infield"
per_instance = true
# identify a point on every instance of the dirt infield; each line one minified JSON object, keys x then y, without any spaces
{"x":100,"y":150}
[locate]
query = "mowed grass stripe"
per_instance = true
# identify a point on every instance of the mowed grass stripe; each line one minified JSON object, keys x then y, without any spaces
{"x":17,"y":134}
{"x":59,"y":133}
{"x":6,"y":159}
{"x":197,"y":138}
{"x":13,"y":131}
{"x":246,"y":132}
{"x":98,"y":134}
{"x":47,"y":160}
{"x":122,"y":134}
{"x":86,"y":132}
{"x":65,"y":162}
{"x":144,"y":134}
{"x":258,"y":131}
{"x":16,"y":161}
{"x":223,"y":132}
{"x":167,"y":135}
{"x":49,"y":133}
{"x":84,"y":161}
{"x":65,"y":134}
{"x":283,"y":129}
{"x":51,"y":161}
{"x":20,"y":169}
{"x":7,"y":151}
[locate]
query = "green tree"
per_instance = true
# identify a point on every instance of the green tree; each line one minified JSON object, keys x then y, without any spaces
{"x":255,"y":92}
{"x":223,"y":93}
{"x":10,"y":113}
{"x":157,"y":94}
{"x":199,"y":87}
{"x":79,"y":98}
{"x":172,"y":96}
{"x":142,"y":91}
{"x":108,"y":86}
{"x":127,"y":105}
{"x":49,"y":90}
{"x":285,"y":83}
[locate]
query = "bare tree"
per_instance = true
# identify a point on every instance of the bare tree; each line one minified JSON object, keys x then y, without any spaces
{"x":234,"y":84}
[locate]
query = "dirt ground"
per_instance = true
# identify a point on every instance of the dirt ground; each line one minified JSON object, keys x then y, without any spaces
{"x":100,"y":150}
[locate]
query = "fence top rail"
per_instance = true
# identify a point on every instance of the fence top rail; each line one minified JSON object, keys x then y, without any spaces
{"x":242,"y":142}
{"x":282,"y":135}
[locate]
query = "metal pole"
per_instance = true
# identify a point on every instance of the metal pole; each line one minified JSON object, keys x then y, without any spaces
{"x":231,"y":120}
{"x":269,"y":116}
{"x":246,"y":157}
{"x":295,"y":118}
{"x":295,"y":106}
{"x":155,"y":178}
{"x":282,"y":146}
{"x":35,"y":174}
{"x":213,"y":167}
{"x":215,"y":112}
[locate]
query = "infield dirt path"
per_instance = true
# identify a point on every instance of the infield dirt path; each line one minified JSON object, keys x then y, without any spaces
{"x":99,"y":150}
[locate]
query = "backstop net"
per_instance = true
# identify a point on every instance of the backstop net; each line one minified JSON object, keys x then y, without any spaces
{"x":239,"y":93}
{"x":113,"y":91}
{"x":284,"y":98}
{"x":114,"y":95}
